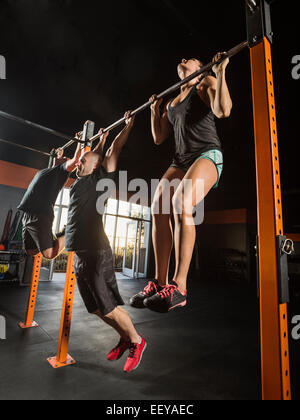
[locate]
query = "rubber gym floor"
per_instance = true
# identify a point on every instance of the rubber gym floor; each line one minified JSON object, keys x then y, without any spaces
{"x":206,"y":351}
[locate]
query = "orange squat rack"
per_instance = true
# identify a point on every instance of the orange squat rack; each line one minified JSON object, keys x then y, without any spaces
{"x":63,"y":358}
{"x":29,"y":322}
{"x":273,"y":314}
{"x":273,"y":275}
{"x":273,"y":246}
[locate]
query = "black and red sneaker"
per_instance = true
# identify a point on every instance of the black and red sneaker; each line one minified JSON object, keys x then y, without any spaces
{"x":135,"y":356}
{"x":166,"y":300}
{"x":118,"y":351}
{"x":150,"y":290}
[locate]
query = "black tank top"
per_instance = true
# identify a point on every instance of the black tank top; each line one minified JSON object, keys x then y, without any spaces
{"x":194,"y":127}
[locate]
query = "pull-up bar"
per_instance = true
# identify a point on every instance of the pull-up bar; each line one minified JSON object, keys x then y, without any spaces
{"x":21,"y":146}
{"x":71,"y":140}
{"x":34,"y":125}
{"x":205,"y":69}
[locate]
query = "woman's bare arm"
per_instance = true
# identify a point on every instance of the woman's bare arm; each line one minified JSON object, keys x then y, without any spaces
{"x":215,"y":91}
{"x":160,"y":125}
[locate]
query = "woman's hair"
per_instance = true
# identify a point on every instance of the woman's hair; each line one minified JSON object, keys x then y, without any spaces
{"x":209,"y":73}
{"x":201,"y":65}
{"x":200,"y":61}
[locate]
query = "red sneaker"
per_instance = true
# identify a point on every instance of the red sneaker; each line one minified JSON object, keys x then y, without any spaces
{"x":135,"y":356}
{"x":118,"y":351}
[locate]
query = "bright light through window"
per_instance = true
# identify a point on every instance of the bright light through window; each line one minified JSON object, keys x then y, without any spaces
{"x":123,"y":208}
{"x":112,"y":206}
{"x":128,"y":227}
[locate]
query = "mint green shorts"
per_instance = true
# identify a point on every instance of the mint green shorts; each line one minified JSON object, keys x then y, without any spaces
{"x":216,"y":157}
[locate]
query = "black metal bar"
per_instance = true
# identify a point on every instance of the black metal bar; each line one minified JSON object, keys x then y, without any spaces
{"x":21,"y":146}
{"x":53,"y":155}
{"x":259,"y":25}
{"x":283,"y":271}
{"x":37,"y":126}
{"x":252,"y":5}
{"x":73,"y":140}
{"x":172,"y":89}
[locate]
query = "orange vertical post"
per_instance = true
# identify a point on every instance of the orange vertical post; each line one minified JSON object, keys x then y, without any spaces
{"x":274,"y":324}
{"x":29,"y":322}
{"x":62,"y":358}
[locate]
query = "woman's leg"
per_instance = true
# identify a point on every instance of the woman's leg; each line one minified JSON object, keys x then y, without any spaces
{"x":187,"y":197}
{"x":162,"y":232}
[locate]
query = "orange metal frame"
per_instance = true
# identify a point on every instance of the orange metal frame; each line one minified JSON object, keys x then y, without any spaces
{"x":274,"y":323}
{"x":29,"y":322}
{"x":62,"y":358}
{"x":273,"y":315}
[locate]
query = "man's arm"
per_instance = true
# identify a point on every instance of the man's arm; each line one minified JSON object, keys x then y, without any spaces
{"x":99,"y":149}
{"x":70,"y":165}
{"x":110,"y":162}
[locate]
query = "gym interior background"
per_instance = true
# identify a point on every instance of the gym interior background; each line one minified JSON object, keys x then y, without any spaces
{"x":67,"y":64}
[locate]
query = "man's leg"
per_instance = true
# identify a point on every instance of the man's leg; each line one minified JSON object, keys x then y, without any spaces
{"x":130,"y":339}
{"x":121,"y":322}
{"x":98,"y":287}
{"x":32,"y":252}
{"x":56,"y":249}
{"x":29,"y":244}
{"x":40,"y":229}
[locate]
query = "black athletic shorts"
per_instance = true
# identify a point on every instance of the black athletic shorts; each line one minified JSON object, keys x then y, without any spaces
{"x":37,"y":232}
{"x":96,"y":280}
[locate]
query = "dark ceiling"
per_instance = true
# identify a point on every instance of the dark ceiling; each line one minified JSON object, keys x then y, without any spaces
{"x":69,"y":61}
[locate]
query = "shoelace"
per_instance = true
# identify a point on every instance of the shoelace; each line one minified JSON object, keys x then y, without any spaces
{"x":151,"y":286}
{"x":119,"y":345}
{"x":167,"y":291}
{"x":133,"y":349}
